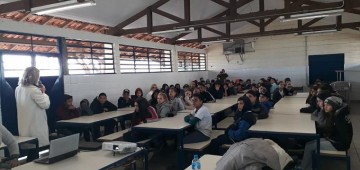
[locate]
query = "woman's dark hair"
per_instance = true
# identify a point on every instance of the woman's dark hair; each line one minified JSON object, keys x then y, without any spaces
{"x":139,"y":89}
{"x":164,"y":87}
{"x":102,"y":94}
{"x":247,"y":103}
{"x":199,"y":96}
{"x":175,"y":90}
{"x":326,"y":88}
{"x":154,"y":94}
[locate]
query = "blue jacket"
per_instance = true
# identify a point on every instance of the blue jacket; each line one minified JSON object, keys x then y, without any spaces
{"x":238,"y":130}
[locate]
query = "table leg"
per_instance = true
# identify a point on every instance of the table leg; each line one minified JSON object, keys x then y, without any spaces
{"x":180,"y":154}
{"x":146,"y":159}
{"x":317,"y":152}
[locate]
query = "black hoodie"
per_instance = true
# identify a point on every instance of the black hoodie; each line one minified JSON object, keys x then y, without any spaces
{"x":97,"y":107}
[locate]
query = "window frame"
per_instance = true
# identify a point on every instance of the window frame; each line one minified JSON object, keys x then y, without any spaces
{"x":201,"y":61}
{"x":91,"y":48}
{"x":164,"y":58}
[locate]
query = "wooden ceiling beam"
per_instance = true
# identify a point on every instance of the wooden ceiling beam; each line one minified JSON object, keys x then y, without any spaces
{"x":276,"y":32}
{"x":222,"y":3}
{"x":227,"y":19}
{"x":120,"y":26}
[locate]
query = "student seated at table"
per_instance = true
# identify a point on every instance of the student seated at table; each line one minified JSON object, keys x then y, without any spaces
{"x":101,"y":105}
{"x":289,"y":90}
{"x":311,"y":100}
{"x":85,"y":110}
{"x":125,"y":101}
{"x":208,"y":98}
{"x":237,"y":131}
{"x":257,"y":108}
{"x":264,"y":100}
{"x":175,"y":101}
{"x":152,"y":89}
{"x":337,"y":132}
{"x":187,"y":100}
{"x":274,"y":86}
{"x":180,"y":91}
{"x":319,"y":114}
{"x":138,"y":93}
{"x":255,"y":89}
{"x":68,"y":111}
{"x":153,"y":101}
{"x":230,"y":90}
{"x":9,"y":140}
{"x":142,"y":112}
{"x":201,"y":120}
{"x":163,"y":107}
{"x":164,"y":88}
{"x":217,"y":91}
{"x":279,"y":92}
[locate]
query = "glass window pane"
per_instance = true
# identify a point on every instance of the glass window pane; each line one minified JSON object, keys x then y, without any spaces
{"x":14,"y":65}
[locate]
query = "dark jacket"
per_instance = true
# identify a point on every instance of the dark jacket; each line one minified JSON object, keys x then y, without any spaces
{"x":261,"y":111}
{"x":231,"y":91}
{"x":289,"y":92}
{"x":238,"y":131}
{"x":268,"y":105}
{"x":311,"y":100}
{"x":341,"y":130}
{"x":64,"y":113}
{"x":207,"y":97}
{"x":217,"y":94}
{"x":125,"y":103}
{"x":97,"y":107}
{"x":277,"y":96}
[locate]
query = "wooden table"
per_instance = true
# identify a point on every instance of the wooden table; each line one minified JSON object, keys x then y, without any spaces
{"x":292,"y":100}
{"x":89,"y":120}
{"x":208,"y":162}
{"x":86,"y":160}
{"x":170,"y":125}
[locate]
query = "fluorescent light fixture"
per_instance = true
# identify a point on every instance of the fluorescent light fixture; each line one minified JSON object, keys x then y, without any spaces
{"x":318,"y":32}
{"x":312,"y":15}
{"x":213,"y":42}
{"x":62,"y":7}
{"x":180,"y":30}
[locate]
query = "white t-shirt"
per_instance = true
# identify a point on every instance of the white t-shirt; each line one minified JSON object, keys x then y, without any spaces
{"x":205,"y":123}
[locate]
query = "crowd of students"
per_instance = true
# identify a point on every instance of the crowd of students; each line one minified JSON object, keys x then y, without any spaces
{"x":328,"y":110}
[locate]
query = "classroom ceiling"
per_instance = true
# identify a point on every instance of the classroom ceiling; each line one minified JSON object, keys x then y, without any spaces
{"x":212,"y":19}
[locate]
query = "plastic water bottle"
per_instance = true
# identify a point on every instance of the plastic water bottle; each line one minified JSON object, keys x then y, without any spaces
{"x":195,"y":165}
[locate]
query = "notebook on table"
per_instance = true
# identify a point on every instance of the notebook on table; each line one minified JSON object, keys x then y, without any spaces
{"x":61,"y":149}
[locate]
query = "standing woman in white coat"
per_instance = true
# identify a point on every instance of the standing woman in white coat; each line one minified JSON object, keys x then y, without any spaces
{"x":31,"y":103}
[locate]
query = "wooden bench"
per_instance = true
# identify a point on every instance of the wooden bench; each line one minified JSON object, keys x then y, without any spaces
{"x":112,"y":137}
{"x":225,"y":123}
{"x":200,"y":146}
{"x":342,"y":155}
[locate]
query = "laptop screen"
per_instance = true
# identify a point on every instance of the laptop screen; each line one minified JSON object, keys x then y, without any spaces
{"x":64,"y":145}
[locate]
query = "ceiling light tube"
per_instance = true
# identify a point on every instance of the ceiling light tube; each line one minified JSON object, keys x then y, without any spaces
{"x":180,"y":30}
{"x":63,"y":7}
{"x":213,"y":42}
{"x":318,"y":32}
{"x":313,"y":15}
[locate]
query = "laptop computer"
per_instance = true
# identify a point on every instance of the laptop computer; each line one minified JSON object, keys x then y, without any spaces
{"x":61,"y":149}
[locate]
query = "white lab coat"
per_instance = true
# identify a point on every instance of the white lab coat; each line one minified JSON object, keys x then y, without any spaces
{"x":32,"y":120}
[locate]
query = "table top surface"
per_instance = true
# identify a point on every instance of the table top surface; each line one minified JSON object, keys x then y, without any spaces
{"x":19,"y":139}
{"x":285,"y":123}
{"x":97,"y":117}
{"x":208,"y":162}
{"x":172,"y":123}
{"x":299,"y":95}
{"x":292,"y":100}
{"x":83,"y":160}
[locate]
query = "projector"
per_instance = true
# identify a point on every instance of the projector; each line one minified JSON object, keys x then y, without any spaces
{"x":119,"y":147}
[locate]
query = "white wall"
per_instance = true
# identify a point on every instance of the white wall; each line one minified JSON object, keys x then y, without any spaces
{"x":89,"y":86}
{"x":286,"y":56}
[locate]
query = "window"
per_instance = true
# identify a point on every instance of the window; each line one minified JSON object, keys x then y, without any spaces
{"x":14,"y":65}
{"x":188,"y":61}
{"x":20,"y":51}
{"x":144,"y":60}
{"x":86,"y":57}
